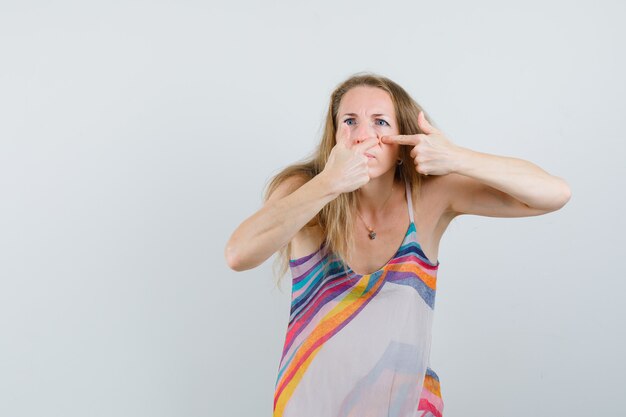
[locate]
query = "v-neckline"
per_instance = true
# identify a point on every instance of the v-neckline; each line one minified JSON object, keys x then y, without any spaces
{"x":394,"y":256}
{"x":407,"y":197}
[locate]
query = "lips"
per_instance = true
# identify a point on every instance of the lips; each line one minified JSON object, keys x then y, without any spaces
{"x":369,"y":155}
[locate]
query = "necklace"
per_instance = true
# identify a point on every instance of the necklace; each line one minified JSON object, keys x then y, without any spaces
{"x":372,"y":233}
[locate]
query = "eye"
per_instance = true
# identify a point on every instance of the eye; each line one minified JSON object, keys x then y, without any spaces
{"x":384,"y":121}
{"x":347,"y":120}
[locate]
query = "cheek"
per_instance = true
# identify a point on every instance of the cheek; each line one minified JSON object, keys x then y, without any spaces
{"x":390,"y":153}
{"x":385,"y":131}
{"x":390,"y":149}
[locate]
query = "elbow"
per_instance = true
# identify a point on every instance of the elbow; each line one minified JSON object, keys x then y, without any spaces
{"x":555,"y":200}
{"x":230,"y":254}
{"x":561,"y":197}
{"x":565,"y":194}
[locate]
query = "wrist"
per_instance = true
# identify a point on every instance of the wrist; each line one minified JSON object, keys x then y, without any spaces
{"x":462,"y":160}
{"x":327,"y":185}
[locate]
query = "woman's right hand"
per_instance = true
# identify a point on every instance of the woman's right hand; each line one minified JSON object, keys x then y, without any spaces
{"x":347,"y":166}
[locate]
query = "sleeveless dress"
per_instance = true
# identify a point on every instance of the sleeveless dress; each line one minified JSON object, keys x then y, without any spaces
{"x":359,"y":345}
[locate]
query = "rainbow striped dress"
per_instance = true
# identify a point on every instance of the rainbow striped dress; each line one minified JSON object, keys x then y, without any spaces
{"x":359,"y":345}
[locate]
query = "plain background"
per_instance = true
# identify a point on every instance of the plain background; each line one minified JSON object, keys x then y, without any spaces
{"x":136,"y":136}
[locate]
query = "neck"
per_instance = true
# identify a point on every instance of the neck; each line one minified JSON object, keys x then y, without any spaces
{"x":376,"y":195}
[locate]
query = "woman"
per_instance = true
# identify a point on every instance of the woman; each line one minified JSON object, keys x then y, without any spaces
{"x":361,"y":223}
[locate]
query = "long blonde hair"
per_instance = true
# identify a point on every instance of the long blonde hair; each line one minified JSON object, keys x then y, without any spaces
{"x":337,"y":218}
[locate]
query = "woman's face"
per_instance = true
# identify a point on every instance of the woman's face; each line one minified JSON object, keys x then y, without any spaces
{"x":369,"y":112}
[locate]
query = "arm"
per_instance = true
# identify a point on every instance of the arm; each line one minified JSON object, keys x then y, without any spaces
{"x":283,"y":215}
{"x":480,"y":183}
{"x":500,"y":186}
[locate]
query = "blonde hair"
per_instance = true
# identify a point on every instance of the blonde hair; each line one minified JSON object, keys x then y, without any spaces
{"x":337,"y":218}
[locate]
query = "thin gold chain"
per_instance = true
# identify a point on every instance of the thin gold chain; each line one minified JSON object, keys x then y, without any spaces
{"x":366,"y":225}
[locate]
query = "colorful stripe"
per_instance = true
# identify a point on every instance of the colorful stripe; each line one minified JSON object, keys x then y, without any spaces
{"x":326,"y":298}
{"x":430,"y":399}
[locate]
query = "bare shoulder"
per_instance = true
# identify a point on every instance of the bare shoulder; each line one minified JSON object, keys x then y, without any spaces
{"x":286,"y":187}
{"x":432,"y":212}
{"x":308,"y":239}
{"x":435,"y":197}
{"x":445,"y":190}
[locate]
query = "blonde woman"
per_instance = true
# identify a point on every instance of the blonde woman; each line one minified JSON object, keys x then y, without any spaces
{"x":358,"y":225}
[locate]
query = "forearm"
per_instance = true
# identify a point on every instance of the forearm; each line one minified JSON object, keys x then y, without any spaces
{"x":274,"y":225}
{"x":519,"y":178}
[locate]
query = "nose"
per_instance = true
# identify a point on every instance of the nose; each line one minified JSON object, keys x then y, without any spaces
{"x":363,"y":131}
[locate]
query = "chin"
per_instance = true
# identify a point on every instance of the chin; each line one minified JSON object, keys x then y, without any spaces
{"x":378,"y":171}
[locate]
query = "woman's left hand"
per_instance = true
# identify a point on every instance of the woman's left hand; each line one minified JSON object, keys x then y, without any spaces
{"x":432,"y":153}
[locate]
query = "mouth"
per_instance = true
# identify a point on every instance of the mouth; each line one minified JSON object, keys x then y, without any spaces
{"x":369,"y":155}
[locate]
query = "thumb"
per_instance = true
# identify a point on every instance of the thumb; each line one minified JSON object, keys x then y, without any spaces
{"x":343,"y":134}
{"x":426,"y":127}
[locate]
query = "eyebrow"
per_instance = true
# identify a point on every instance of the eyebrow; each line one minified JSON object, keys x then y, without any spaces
{"x":373,"y":115}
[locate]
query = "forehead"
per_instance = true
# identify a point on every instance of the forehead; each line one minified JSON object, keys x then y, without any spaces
{"x":366,"y":100}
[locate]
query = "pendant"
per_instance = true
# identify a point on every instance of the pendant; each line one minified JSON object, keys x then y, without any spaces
{"x":372,"y":235}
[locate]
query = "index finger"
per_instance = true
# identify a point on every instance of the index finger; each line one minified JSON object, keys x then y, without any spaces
{"x":400,"y":139}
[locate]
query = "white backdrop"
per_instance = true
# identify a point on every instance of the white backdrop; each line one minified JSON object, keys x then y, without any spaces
{"x":135,"y":137}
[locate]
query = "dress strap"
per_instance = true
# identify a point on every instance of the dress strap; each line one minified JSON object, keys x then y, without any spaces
{"x":409,"y":200}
